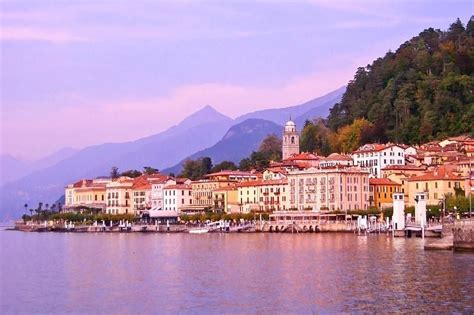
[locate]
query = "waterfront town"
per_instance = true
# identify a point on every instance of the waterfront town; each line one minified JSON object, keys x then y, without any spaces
{"x":365,"y":179}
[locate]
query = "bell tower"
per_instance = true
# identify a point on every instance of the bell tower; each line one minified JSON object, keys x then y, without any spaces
{"x":291,"y":140}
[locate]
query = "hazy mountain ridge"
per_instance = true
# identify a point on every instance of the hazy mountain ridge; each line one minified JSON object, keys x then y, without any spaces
{"x":237,"y":143}
{"x":206,"y":128}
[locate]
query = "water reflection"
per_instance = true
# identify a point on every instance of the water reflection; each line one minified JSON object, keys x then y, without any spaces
{"x":234,"y":273}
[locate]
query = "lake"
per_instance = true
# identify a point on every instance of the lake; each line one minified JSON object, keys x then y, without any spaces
{"x":72,"y":273}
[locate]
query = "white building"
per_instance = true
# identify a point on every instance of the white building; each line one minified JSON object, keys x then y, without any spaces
{"x":177,"y":197}
{"x":375,"y":157}
{"x":157,"y":186}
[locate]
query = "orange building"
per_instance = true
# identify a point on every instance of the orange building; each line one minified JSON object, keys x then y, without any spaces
{"x":381,"y":192}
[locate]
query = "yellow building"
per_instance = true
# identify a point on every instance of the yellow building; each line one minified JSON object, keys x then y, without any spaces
{"x":263,"y":195}
{"x":120,"y":196}
{"x":436,"y":184}
{"x":86,"y":193}
{"x":202,"y":193}
{"x":226,"y":199}
{"x":401,"y":173}
{"x":381,"y":192}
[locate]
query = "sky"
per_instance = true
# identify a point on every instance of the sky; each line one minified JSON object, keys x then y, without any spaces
{"x":75,"y":73}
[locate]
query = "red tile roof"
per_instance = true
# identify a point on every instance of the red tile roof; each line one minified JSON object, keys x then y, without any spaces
{"x":338,"y":157}
{"x":382,"y":181}
{"x":263,"y":183}
{"x":441,"y":173}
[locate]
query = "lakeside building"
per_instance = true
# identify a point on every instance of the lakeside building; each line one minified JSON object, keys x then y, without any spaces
{"x":381,"y":192}
{"x":331,"y":189}
{"x":177,"y":197}
{"x":157,"y":186}
{"x":290,"y":141}
{"x":436,"y":184}
{"x":141,"y":189}
{"x":119,"y":196}
{"x":86,"y":193}
{"x":202,"y":193}
{"x":375,"y":157}
{"x":263,"y":195}
{"x":225,"y":199}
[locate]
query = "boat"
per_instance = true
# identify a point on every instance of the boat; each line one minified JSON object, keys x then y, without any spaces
{"x":199,"y":231}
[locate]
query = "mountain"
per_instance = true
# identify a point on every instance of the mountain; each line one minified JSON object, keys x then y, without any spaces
{"x":204,"y":127}
{"x":53,"y":158}
{"x":237,"y":143}
{"x":420,"y":92}
{"x":318,"y":107}
{"x":11,"y":168}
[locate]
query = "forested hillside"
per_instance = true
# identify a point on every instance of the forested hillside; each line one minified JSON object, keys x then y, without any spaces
{"x":423,"y":91}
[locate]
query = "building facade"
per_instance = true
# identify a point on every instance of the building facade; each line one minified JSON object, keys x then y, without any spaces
{"x":329,"y":189}
{"x":177,"y":197}
{"x":436,"y":184}
{"x":375,"y":157}
{"x":381,"y":192}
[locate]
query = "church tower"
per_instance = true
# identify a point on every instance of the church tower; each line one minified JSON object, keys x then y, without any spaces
{"x":291,"y":140}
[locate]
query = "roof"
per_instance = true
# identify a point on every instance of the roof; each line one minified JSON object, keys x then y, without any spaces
{"x":441,"y":173}
{"x":263,"y":183}
{"x":375,"y":147}
{"x":303,"y":156}
{"x":338,"y":157}
{"x":230,"y":173}
{"x":395,"y":167}
{"x":382,"y":181}
{"x":178,"y":186}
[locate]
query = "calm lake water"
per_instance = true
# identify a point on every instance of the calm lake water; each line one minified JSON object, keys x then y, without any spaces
{"x":56,"y":273}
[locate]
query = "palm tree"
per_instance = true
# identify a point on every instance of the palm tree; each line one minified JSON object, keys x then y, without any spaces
{"x":53,"y":207}
{"x":31,"y":211}
{"x":46,"y":206}
{"x":26,"y":206}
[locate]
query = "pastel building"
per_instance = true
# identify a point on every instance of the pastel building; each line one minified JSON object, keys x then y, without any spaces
{"x":86,"y":193}
{"x":382,"y":191}
{"x":120,"y":196}
{"x":436,"y":184}
{"x":263,"y":196}
{"x":342,"y":189}
{"x":177,"y":197}
{"x":225,"y":199}
{"x":375,"y":157}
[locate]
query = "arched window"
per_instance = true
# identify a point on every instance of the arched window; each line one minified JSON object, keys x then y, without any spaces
{"x":292,"y":140}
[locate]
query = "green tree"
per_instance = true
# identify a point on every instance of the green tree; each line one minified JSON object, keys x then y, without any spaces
{"x":114,"y":172}
{"x":271,"y":147}
{"x":131,"y":173}
{"x":224,"y":166}
{"x":308,"y":141}
{"x":150,"y":170}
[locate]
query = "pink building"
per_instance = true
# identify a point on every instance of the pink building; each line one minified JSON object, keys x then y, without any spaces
{"x":329,"y":189}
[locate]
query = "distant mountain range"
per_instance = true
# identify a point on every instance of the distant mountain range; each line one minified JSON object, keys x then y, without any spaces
{"x":237,"y":143}
{"x":203,"y":133}
{"x":12,"y":169}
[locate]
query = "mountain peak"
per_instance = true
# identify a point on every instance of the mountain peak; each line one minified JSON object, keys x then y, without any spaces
{"x":207,"y":114}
